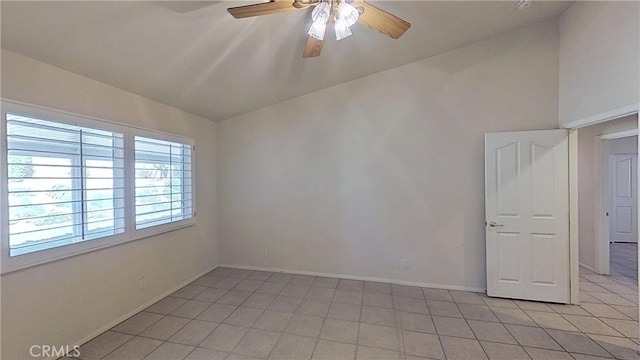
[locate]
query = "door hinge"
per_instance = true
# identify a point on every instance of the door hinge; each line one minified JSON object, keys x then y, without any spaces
{"x":193,"y":148}
{"x":606,"y":214}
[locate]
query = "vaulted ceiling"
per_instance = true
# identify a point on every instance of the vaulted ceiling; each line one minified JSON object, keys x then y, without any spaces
{"x":194,"y":56}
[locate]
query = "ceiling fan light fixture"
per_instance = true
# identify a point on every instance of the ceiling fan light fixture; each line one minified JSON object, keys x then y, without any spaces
{"x":347,"y":12}
{"x":346,"y":15}
{"x":317,"y":30}
{"x":342,"y":12}
{"x":320,"y":17}
{"x":342,"y":29}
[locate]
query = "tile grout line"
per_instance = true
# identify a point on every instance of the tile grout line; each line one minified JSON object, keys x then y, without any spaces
{"x":470,"y":328}
{"x":263,"y":310}
{"x":395,"y":307}
{"x":397,"y":312}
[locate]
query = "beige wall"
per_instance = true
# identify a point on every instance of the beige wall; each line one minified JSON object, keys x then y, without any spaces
{"x":590,"y":164}
{"x":599,"y":57}
{"x":355,"y":178}
{"x":349,"y":180}
{"x":65,"y":301}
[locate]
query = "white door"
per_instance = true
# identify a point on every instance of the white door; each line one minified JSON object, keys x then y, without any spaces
{"x":527,"y":215}
{"x":623,"y":218}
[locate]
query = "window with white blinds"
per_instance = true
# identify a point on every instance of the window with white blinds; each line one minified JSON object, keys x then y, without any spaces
{"x":70,"y":184}
{"x":65,"y":184}
{"x":163,"y":181}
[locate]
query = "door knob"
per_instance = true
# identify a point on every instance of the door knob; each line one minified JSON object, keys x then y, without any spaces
{"x":494,"y":224}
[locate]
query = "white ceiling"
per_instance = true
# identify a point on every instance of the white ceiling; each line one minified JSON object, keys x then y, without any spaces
{"x":196,"y":57}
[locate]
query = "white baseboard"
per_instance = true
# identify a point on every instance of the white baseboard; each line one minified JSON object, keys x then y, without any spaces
{"x":588,"y":267}
{"x":296,"y":272}
{"x":137,"y":310}
{"x":353,"y":277}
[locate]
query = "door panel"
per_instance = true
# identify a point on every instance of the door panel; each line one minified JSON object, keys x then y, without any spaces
{"x":544,"y":271}
{"x":623,"y":177}
{"x":542,"y":181}
{"x":508,"y":159}
{"x":527,"y":215}
{"x":509,"y":268}
{"x":623,"y":220}
{"x":623,"y":224}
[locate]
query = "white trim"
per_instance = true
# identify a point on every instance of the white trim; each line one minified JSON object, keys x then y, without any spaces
{"x":574,"y":244}
{"x":619,"y":134}
{"x":601,"y":206}
{"x":588,"y":267}
{"x":638,"y":250}
{"x":4,"y":191}
{"x":605,"y":116}
{"x":129,"y":314}
{"x":10,"y":264}
{"x":354,"y":277}
{"x":129,"y":181}
{"x":173,"y":137}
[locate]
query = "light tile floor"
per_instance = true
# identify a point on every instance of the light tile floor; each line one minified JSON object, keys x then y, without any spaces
{"x":624,"y":259}
{"x":241,"y":314}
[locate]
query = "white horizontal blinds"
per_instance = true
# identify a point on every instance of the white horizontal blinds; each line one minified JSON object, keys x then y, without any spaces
{"x":162,"y":181}
{"x":65,"y":184}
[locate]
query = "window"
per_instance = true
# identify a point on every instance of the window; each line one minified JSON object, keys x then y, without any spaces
{"x":163,"y":181}
{"x":72,"y":184}
{"x":65,"y":184}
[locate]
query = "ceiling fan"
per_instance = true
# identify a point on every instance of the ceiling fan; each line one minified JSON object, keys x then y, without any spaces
{"x":343,"y":13}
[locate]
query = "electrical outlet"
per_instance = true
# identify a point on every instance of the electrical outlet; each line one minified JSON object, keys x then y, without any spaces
{"x":284,"y":253}
{"x":142,"y":283}
{"x":405,"y":264}
{"x":264,"y":253}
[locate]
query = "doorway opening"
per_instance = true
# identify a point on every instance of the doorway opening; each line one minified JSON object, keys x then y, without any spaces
{"x":621,"y":189}
{"x":608,"y":216}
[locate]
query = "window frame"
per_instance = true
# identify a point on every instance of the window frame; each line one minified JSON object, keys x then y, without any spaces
{"x":17,"y":262}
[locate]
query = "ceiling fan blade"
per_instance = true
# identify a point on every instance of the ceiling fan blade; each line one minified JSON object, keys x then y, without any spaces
{"x":262,"y":9}
{"x":313,"y":48}
{"x":380,"y":20}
